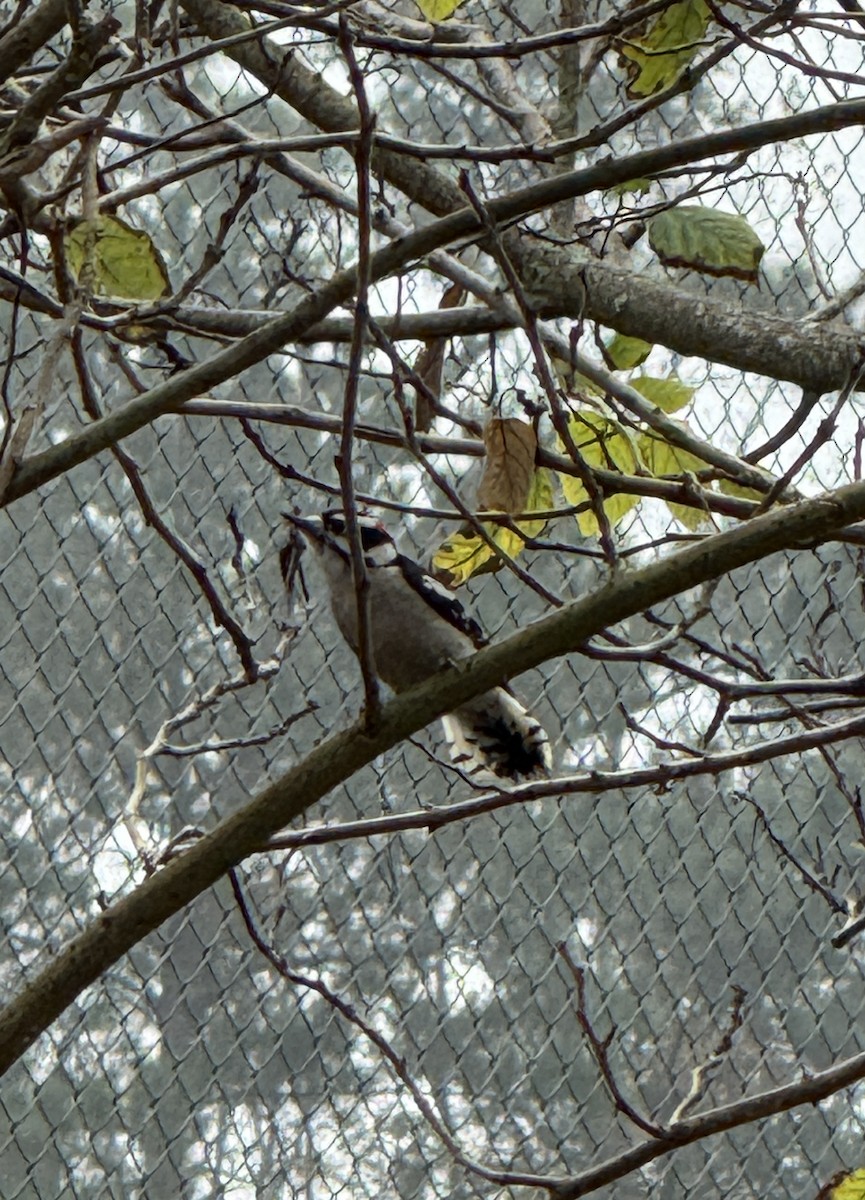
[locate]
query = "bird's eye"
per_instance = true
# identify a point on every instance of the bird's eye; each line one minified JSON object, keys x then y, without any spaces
{"x":372,"y":536}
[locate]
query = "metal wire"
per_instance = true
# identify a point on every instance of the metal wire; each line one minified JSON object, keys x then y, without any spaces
{"x":201,"y":1067}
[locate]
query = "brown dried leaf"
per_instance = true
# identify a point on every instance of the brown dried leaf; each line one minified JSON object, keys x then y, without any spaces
{"x":511,"y":447}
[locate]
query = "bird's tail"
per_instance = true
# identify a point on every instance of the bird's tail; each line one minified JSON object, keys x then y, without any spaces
{"x":494,"y":733}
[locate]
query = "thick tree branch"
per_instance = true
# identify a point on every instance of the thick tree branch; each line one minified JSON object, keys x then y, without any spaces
{"x":782,"y":342}
{"x":631,"y":304}
{"x":22,"y":41}
{"x":339,"y":757}
{"x":592,"y":783}
{"x":72,"y":71}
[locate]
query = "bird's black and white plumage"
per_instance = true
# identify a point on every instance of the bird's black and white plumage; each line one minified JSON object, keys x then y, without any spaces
{"x":419,"y":627}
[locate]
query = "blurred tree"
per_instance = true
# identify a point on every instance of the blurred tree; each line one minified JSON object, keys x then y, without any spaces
{"x":304,"y":257}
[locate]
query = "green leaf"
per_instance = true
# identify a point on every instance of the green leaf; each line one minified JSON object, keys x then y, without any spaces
{"x":438,"y":10}
{"x":668,"y":394}
{"x":703,"y":239}
{"x":640,"y":186}
{"x":465,"y":554}
{"x":628,"y":352}
{"x":731,"y":488}
{"x":124,"y":261}
{"x":664,"y":459}
{"x":601,"y":444}
{"x":658,"y":59}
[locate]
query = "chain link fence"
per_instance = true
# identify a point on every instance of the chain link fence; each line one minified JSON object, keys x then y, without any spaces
{"x":360,"y":1014}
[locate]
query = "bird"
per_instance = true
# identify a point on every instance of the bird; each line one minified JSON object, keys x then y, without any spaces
{"x":418,"y":627}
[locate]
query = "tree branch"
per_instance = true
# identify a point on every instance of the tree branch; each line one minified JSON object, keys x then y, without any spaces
{"x":336,"y":759}
{"x":22,"y":41}
{"x":717,"y":331}
{"x":809,"y":1090}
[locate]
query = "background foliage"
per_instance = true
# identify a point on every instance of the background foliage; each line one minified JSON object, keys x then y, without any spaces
{"x":282,"y":1035}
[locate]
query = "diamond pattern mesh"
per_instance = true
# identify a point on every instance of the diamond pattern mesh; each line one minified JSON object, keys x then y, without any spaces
{"x":283,"y":1040}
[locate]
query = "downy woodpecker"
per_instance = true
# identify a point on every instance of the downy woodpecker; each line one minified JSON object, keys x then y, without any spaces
{"x":419,"y":627}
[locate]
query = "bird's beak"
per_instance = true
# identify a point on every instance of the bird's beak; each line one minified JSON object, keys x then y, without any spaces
{"x":312,"y":528}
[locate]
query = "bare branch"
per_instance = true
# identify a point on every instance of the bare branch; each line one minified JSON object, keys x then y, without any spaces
{"x":592,"y":783}
{"x":338,"y":757}
{"x":350,"y":1014}
{"x":702,"y":1075}
{"x":31,"y":31}
{"x":363,"y":150}
{"x":808,"y":877}
{"x":600,"y":1049}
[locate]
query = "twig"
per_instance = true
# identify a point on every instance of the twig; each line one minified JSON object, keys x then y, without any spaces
{"x":600,"y":1049}
{"x":816,"y":885}
{"x":363,"y":150}
{"x":191,"y":712}
{"x":836,"y":306}
{"x":592,"y":783}
{"x":824,"y":431}
{"x":319,"y":185}
{"x":789,"y":429}
{"x":350,"y":1014}
{"x":24,"y":127}
{"x":853,"y":798}
{"x":213,"y":46}
{"x":178,"y":545}
{"x":214,"y":251}
{"x":427,"y":444}
{"x":849,"y":932}
{"x":20,"y":427}
{"x":648,"y":650}
{"x":218,"y":745}
{"x":701,"y":1076}
{"x":426,"y":39}
{"x":662,"y":743}
{"x":803,"y":66}
{"x":776,"y":716}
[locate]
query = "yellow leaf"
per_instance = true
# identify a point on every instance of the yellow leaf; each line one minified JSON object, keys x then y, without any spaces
{"x":539,"y":499}
{"x":662,"y":459}
{"x":510,"y":466}
{"x":658,"y":59}
{"x":459,"y":557}
{"x":465,"y":554}
{"x":668,"y":394}
{"x":628,"y":352}
{"x":438,"y":10}
{"x":124,"y":261}
{"x":601,"y":444}
{"x":845,"y":1186}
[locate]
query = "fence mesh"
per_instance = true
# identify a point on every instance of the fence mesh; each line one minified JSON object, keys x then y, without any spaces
{"x":277,"y":1039}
